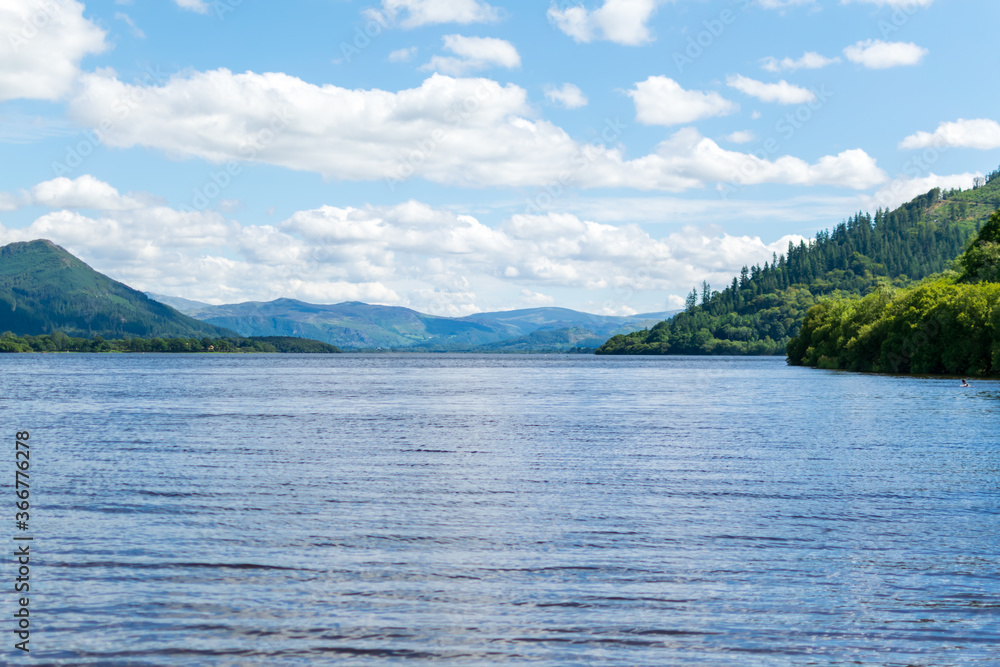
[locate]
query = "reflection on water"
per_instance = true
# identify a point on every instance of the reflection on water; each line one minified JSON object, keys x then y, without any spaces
{"x":295,"y":510}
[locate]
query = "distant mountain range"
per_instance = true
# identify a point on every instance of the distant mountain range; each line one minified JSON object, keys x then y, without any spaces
{"x":44,"y":289}
{"x":362,"y":326}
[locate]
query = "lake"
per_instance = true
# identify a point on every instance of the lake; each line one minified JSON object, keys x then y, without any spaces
{"x":536,"y":509}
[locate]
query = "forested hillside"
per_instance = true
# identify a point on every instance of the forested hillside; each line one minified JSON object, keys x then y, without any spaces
{"x":949,"y":323}
{"x":44,"y":289}
{"x":763,"y":308}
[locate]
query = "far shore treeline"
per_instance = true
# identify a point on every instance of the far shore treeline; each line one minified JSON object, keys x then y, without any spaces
{"x":60,"y":342}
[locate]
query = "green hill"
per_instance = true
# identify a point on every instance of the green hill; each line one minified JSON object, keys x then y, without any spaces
{"x":44,"y":289}
{"x":949,"y":323}
{"x":764,"y":308}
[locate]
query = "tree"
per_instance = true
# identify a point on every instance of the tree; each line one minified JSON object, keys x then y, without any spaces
{"x":981,"y":260}
{"x":706,"y":293}
{"x":692,"y":299}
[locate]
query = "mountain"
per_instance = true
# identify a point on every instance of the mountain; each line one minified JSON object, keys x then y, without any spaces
{"x":176,"y":302}
{"x":44,"y":289}
{"x":542,"y":340}
{"x":359,"y":325}
{"x":764,"y":308}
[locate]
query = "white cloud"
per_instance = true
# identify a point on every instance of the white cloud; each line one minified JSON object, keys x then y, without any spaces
{"x":431,"y":12}
{"x":741,"y":137}
{"x":619,"y":21}
{"x":537,"y":298}
{"x":85,"y":192}
{"x":567,"y":95}
{"x":474,"y":54}
{"x":809,"y":60}
{"x":402,"y":55}
{"x":688,"y":154}
{"x":198,"y":6}
{"x":410,"y":254}
{"x":41,"y":47}
{"x":465,"y":132}
{"x":981,"y":133}
{"x":781,"y":92}
{"x":661,"y":101}
{"x":876,"y":54}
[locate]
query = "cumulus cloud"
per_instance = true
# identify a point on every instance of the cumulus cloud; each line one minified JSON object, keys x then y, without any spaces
{"x":567,"y":96}
{"x":410,"y":254}
{"x":85,"y":192}
{"x":418,"y":13}
{"x":620,"y":21}
{"x":473,"y":54}
{"x":809,"y":60}
{"x":700,"y":158}
{"x":781,"y":92}
{"x":661,"y":101}
{"x":42,"y":46}
{"x":981,"y":133}
{"x":876,"y":54}
{"x":466,"y":132}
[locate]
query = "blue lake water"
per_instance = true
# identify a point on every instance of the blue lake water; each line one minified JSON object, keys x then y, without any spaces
{"x":561,"y":510}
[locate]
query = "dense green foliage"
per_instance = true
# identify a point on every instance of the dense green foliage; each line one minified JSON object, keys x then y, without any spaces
{"x":981,"y":260}
{"x":44,"y":289}
{"x":764,"y":308}
{"x":938,"y":326}
{"x":60,"y":342}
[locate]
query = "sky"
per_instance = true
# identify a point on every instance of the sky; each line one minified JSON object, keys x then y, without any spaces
{"x":461,"y":156}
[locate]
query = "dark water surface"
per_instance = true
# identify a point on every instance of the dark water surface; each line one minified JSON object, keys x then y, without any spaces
{"x":562,"y":510}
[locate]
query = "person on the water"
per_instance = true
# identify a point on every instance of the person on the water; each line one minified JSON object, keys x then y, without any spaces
{"x":965,"y":384}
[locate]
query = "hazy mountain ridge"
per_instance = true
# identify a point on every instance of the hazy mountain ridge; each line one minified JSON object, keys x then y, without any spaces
{"x":357,"y":325}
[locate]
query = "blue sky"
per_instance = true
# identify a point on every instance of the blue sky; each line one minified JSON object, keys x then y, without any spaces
{"x":457,"y":156}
